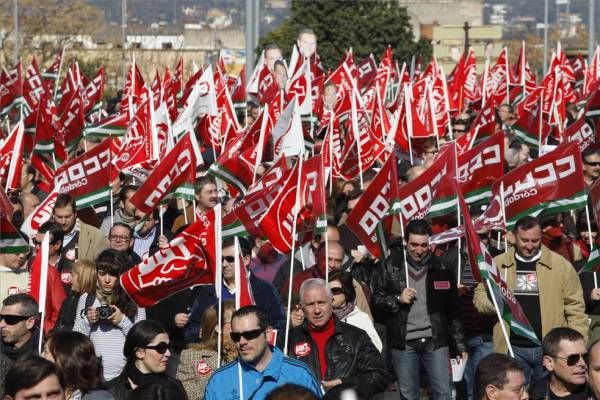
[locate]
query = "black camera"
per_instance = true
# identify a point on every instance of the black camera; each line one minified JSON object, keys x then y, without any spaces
{"x":104,"y":312}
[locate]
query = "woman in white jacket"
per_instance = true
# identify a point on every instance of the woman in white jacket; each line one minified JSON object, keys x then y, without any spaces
{"x":344,"y":308}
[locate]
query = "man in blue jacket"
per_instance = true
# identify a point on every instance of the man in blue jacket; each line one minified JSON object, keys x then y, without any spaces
{"x":265,"y":295}
{"x":263,"y":368}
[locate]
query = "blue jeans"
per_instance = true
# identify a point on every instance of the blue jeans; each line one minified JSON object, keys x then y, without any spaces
{"x":530,"y":359}
{"x":406,"y":366}
{"x":477,"y":348}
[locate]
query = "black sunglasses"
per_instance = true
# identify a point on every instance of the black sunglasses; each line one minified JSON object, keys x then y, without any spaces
{"x":160,"y":348}
{"x":573,"y":359}
{"x":337,"y":290}
{"x":593,"y":164}
{"x":229,"y":259}
{"x":13,"y":319}
{"x":248,"y":335}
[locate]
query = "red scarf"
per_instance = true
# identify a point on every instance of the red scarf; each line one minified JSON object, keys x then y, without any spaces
{"x":320,"y":338}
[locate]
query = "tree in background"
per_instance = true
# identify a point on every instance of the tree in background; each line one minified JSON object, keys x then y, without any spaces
{"x":63,"y":19}
{"x":365,"y":25}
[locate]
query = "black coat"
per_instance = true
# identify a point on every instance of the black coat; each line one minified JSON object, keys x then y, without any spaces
{"x":443,"y":305}
{"x":351,"y":357}
{"x":66,"y":316}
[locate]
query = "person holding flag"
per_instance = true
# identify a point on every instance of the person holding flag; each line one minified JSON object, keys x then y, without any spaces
{"x":417,"y":292}
{"x":548,"y":289}
{"x":264,"y":294}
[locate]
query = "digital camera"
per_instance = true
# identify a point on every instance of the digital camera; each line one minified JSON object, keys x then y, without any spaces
{"x":105,"y":311}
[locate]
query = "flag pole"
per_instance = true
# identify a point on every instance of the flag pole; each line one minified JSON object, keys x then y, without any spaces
{"x":261,"y":139}
{"x":504,"y":218}
{"x":161,"y":210}
{"x":219,"y":279}
{"x":587,"y":218}
{"x":291,"y":275}
{"x":62,"y":54}
{"x":404,"y":241}
{"x":485,"y":78}
{"x":409,"y":126}
{"x":331,"y":115}
{"x":500,"y":320}
{"x":185,"y":217}
{"x":357,"y":135}
{"x":43,"y":286}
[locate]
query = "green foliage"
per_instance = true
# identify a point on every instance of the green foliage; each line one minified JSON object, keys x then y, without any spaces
{"x":365,"y":25}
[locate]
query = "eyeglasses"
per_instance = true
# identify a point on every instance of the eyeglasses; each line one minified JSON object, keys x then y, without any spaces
{"x":592,"y":163}
{"x":229,"y":259}
{"x":336,"y":291}
{"x":13,"y":319}
{"x":248,"y":335}
{"x":160,"y":348}
{"x":117,"y":238}
{"x":573,"y":359}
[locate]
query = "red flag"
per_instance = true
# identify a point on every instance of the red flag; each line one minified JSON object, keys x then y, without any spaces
{"x":175,"y":169}
{"x":72,"y":121}
{"x":40,"y":214}
{"x":51,"y":74}
{"x":87,"y":177}
{"x":375,"y":203}
{"x":44,"y":281}
{"x":11,"y":89}
{"x":189,"y":260}
{"x":581,"y":131}
{"x":551,"y":183}
{"x":243,"y":292}
{"x":418,"y":195}
{"x":11,"y":158}
{"x":480,"y":167}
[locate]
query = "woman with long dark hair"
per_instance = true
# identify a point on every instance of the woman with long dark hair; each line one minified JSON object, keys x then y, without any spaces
{"x":107,"y":315}
{"x":73,"y":353}
{"x":147,"y":350}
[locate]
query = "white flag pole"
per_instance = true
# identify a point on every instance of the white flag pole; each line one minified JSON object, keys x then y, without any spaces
{"x":291,"y":275}
{"x":43,"y":286}
{"x":500,"y":320}
{"x":219,"y":279}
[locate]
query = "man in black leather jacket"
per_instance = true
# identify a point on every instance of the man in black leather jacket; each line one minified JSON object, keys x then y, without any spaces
{"x":335,"y":351}
{"x":423,"y":317}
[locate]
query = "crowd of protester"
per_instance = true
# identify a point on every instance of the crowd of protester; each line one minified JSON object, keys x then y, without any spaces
{"x":358,"y":326}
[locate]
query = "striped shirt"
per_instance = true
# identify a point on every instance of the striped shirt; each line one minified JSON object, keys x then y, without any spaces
{"x":108,"y":338}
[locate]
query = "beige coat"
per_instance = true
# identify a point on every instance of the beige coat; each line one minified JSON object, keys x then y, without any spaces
{"x":560,"y":294}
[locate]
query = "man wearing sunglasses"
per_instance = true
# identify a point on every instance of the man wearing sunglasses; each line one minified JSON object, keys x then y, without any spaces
{"x":591,"y":165}
{"x":263,"y":368}
{"x":18,"y":328}
{"x":265,"y":295}
{"x":565,"y":359}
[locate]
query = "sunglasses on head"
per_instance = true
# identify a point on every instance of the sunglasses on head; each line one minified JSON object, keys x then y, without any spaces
{"x":573,"y":359}
{"x":160,"y":348}
{"x":229,"y":259}
{"x":337,"y":291}
{"x":13,"y":319}
{"x":248,"y":335}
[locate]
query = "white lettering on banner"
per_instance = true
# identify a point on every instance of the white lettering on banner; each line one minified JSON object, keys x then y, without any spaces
{"x":271,"y":177}
{"x":375,"y":213}
{"x":488,"y":156}
{"x":265,"y":83}
{"x":75,"y":175}
{"x":166,"y":260}
{"x":583,"y":134}
{"x":365,"y":69}
{"x":183,"y":162}
{"x":544,"y":175}
{"x":70,"y":115}
{"x":471,"y":82}
{"x":416,"y":205}
{"x":43,"y":214}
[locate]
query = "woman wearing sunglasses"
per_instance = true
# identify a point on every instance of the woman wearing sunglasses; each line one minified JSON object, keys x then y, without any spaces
{"x":199,"y":360}
{"x":344,"y":308}
{"x":107,"y":314}
{"x":147,"y":350}
{"x":73,"y":353}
